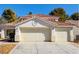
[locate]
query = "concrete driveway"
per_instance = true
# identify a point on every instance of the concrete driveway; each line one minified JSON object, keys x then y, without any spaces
{"x":45,"y":48}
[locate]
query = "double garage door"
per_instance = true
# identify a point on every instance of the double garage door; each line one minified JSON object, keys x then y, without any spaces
{"x":35,"y":35}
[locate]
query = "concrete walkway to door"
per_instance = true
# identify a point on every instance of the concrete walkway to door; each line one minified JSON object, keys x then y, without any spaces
{"x":45,"y":48}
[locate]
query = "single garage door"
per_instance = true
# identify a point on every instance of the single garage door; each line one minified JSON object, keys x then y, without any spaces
{"x":35,"y":35}
{"x":61,"y":35}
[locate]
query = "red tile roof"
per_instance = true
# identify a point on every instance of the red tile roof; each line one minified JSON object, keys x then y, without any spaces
{"x":74,"y":22}
{"x":50,"y":19}
{"x":39,"y":16}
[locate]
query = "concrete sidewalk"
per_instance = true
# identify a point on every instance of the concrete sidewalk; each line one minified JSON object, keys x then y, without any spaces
{"x":45,"y":48}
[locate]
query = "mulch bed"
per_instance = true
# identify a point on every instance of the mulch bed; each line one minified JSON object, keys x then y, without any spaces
{"x":76,"y":43}
{"x":6,"y":48}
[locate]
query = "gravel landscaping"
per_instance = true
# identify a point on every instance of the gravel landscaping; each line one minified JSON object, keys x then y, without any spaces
{"x":6,"y":48}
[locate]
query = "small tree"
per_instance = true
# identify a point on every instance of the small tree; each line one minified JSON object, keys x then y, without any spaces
{"x":30,"y":13}
{"x":59,"y":12}
{"x":62,"y":18}
{"x":75,"y":16}
{"x":3,"y":20}
{"x":9,"y":15}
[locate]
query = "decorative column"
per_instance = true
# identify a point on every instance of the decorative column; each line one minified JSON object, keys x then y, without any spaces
{"x":53,"y":35}
{"x":17,"y":34}
{"x":72,"y":35}
{"x":2,"y":33}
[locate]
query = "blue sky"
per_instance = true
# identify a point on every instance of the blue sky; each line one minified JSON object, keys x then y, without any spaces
{"x":23,"y":9}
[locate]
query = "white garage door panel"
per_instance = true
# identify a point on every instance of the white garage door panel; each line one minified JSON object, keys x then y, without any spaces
{"x":35,"y":35}
{"x":61,"y":36}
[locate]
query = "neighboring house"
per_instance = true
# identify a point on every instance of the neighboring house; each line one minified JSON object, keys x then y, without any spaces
{"x":40,"y":28}
{"x":75,"y":28}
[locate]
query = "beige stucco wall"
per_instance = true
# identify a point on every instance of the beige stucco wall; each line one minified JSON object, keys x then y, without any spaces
{"x":34,"y":23}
